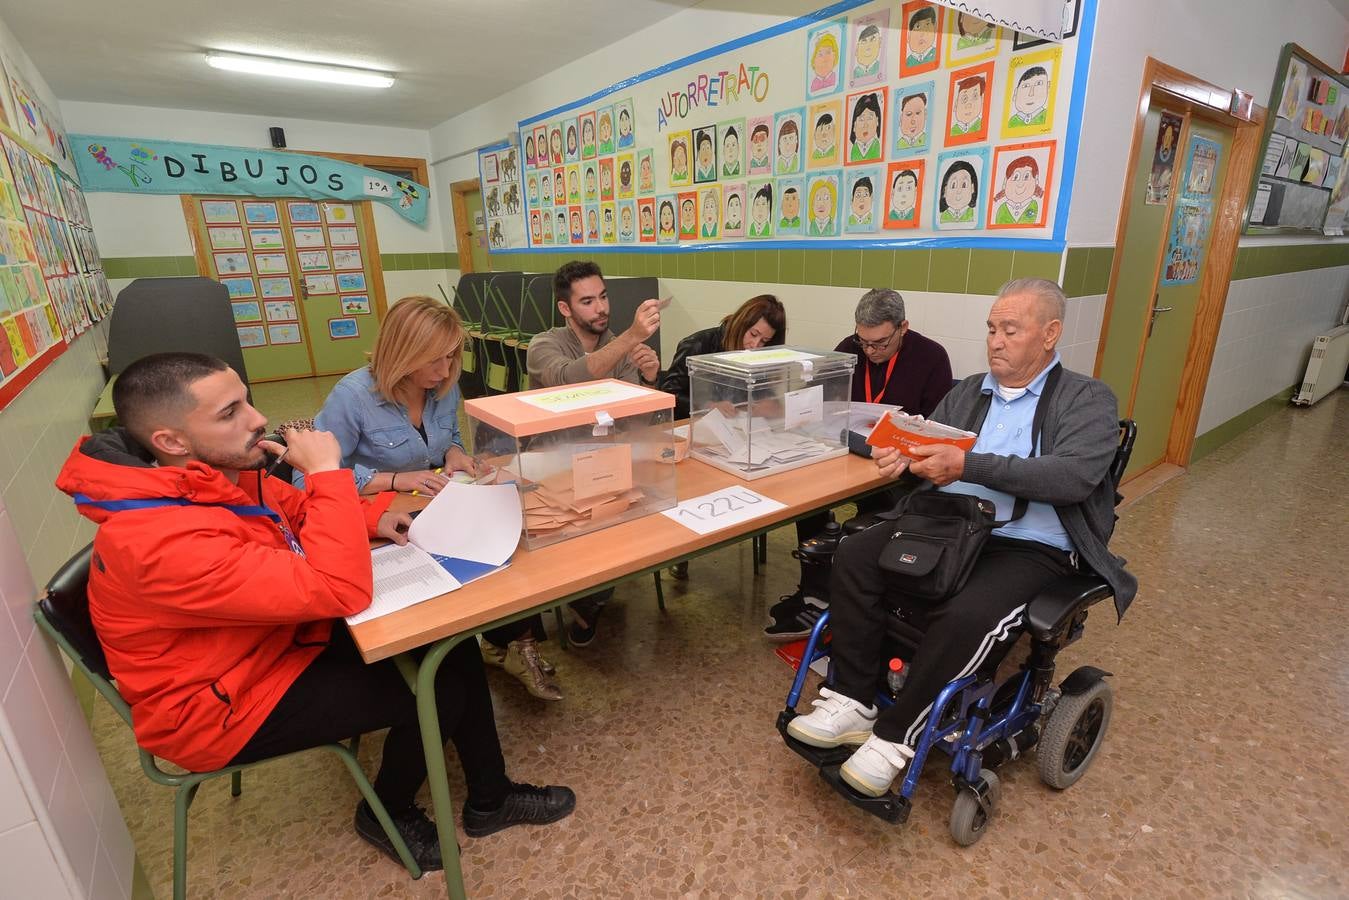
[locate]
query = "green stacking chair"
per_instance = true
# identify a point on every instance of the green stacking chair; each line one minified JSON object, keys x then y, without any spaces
{"x":63,"y":614}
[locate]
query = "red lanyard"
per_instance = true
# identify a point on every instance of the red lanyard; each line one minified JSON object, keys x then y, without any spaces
{"x":889,"y":370}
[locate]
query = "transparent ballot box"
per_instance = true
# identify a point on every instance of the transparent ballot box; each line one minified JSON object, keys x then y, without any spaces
{"x":760,"y":412}
{"x":584,"y":456}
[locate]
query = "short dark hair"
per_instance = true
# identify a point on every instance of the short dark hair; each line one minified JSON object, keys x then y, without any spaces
{"x":570,"y":273}
{"x":1032,"y":72}
{"x":924,"y":13}
{"x":157,"y":388}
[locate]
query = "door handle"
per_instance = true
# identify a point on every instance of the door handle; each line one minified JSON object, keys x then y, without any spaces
{"x":1152,"y":318}
{"x":1160,"y":309}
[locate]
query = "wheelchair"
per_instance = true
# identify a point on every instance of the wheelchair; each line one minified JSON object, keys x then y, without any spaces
{"x":978,"y":722}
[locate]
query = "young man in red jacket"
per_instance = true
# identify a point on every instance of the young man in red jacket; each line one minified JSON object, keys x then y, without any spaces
{"x":213,"y":589}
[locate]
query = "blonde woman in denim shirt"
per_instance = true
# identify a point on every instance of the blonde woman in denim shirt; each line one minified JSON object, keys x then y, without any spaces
{"x":397,"y":421}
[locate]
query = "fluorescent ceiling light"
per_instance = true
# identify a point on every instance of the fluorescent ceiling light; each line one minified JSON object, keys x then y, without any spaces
{"x":289,"y":68}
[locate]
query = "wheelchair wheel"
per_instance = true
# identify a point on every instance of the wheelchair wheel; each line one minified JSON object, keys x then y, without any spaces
{"x":1073,"y":735}
{"x":968,"y":819}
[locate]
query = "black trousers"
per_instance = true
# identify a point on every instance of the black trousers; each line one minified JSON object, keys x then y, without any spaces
{"x":504,"y":634}
{"x":972,"y":630}
{"x":339,"y":696}
{"x":815,"y":579}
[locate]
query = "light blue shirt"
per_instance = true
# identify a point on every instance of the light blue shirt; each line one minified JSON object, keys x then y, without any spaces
{"x":376,"y":434}
{"x":1006,"y":432}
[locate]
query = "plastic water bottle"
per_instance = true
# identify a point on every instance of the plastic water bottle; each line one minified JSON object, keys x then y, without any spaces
{"x":894,"y":678}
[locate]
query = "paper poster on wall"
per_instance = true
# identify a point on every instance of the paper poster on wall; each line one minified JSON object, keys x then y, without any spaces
{"x":313,"y":260}
{"x":280,"y":310}
{"x":343,"y":329}
{"x":784,"y":117}
{"x":231,"y":263}
{"x":266,"y":238}
{"x":247,"y":311}
{"x":342,"y":236}
{"x":276,"y":287}
{"x":1190,"y":220}
{"x":309,"y":237}
{"x":225,"y":238}
{"x":355,"y":304}
{"x":1163,"y":160}
{"x":302,"y":213}
{"x":320,"y":284}
{"x":219,"y":211}
{"x":252,"y":336}
{"x":272,"y":263}
{"x":239,"y":287}
{"x":284,"y":334}
{"x":261,"y":213}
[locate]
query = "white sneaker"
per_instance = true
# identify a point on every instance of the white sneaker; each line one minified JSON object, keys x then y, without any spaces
{"x":836,"y":720}
{"x":875,"y":765}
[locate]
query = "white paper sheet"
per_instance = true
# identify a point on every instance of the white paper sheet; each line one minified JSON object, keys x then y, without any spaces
{"x":404,"y":576}
{"x":803,"y":407}
{"x":583,"y":396}
{"x":722,"y":509}
{"x":478,"y":522}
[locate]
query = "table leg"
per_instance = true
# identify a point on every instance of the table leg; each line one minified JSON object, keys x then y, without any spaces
{"x":433,"y":745}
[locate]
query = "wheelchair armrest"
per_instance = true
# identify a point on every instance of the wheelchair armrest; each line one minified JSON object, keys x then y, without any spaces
{"x":1054,"y":608}
{"x":860,"y":523}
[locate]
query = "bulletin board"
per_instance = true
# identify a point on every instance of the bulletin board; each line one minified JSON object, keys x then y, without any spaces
{"x":865,"y":124}
{"x":1300,"y":186}
{"x":52,"y":285}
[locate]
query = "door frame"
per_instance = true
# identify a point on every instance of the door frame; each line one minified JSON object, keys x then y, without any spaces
{"x":1207,"y":101}
{"x":463,"y":228}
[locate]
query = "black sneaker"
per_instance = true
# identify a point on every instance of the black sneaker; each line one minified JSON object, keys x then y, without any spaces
{"x":417,"y":830}
{"x":794,"y":617}
{"x":526,"y":804}
{"x":581,"y":631}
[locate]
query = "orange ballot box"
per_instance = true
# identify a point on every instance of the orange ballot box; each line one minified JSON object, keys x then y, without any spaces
{"x":584,"y":456}
{"x":904,"y":432}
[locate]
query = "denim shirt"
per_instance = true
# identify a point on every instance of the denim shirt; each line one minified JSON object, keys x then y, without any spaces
{"x":1006,"y":432}
{"x":376,"y":434}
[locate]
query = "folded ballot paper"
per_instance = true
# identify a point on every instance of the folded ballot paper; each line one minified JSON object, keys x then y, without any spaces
{"x":904,"y":432}
{"x":752,"y":444}
{"x":467,"y":531}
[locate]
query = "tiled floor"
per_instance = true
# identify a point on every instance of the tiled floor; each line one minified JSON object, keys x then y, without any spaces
{"x":1223,"y":774}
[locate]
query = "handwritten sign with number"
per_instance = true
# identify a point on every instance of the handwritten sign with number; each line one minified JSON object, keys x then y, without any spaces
{"x":722,"y":509}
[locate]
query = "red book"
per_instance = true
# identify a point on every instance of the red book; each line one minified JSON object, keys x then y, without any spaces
{"x":904,"y":432}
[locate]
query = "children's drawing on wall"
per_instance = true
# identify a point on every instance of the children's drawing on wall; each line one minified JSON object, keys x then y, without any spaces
{"x":1163,"y":160}
{"x":733,"y":203}
{"x":709,"y":212}
{"x":547,"y":227}
{"x":587,"y":121}
{"x":491,"y":169}
{"x":555,"y":144}
{"x":760,"y":209}
{"x":1318,"y":162}
{"x":626,"y":134}
{"x":546,"y":188}
{"x":911,"y":121}
{"x":1029,"y":102}
{"x":532,"y":189}
{"x":541,"y":157}
{"x":863,"y":187}
{"x":732,"y":148}
{"x":576,"y":225}
{"x":608,"y":223}
{"x":573,"y":140}
{"x":604,"y":127}
{"x":822,"y":204}
{"x":626,"y":185}
{"x":231,"y":263}
{"x":787,"y":145}
{"x":760,"y":145}
{"x":560,"y":231}
{"x":904,"y":197}
{"x":824,"y":58}
{"x":646,"y":220}
{"x":824,"y":118}
{"x":1185,"y":242}
{"x":592,"y":223}
{"x":1019,"y":197}
{"x":868,"y":48}
{"x":967,"y":119}
{"x":960,"y":173}
{"x":680,"y":145}
{"x":535,"y":227}
{"x":919,"y":48}
{"x":1294,"y":90}
{"x":705,"y":154}
{"x":627,"y":224}
{"x":607,"y":178}
{"x":688,"y":215}
{"x":791,"y":193}
{"x":665,"y":216}
{"x":969,"y":38}
{"x":592,"y":183}
{"x":646,"y":172}
{"x":529,"y":150}
{"x":866,"y":127}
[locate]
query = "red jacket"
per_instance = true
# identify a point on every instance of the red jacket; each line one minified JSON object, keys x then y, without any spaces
{"x":206,"y":616}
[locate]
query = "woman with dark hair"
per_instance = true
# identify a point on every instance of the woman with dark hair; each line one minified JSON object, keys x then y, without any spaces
{"x":759,"y":322}
{"x":959,"y":194}
{"x":864,"y":137}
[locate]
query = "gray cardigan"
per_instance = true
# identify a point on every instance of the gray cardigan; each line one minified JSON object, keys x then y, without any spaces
{"x":1077,"y":444}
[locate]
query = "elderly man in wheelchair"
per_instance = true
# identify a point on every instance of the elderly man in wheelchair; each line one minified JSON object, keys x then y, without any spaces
{"x":1048,"y":456}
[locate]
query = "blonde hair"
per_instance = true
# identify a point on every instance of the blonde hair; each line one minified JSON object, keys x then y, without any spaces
{"x":826,"y":41}
{"x":416,"y":331}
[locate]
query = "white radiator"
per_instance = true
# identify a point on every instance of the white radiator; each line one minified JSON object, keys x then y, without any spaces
{"x":1325,"y":369}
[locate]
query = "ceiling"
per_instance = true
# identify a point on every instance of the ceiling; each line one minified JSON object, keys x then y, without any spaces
{"x":449,"y":55}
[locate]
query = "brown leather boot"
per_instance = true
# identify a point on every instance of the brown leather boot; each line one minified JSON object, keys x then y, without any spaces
{"x":522,"y":661}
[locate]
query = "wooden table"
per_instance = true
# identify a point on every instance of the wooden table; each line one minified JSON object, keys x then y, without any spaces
{"x":539,"y":579}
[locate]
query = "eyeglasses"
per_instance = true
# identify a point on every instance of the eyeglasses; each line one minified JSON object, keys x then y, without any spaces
{"x":875,"y":345}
